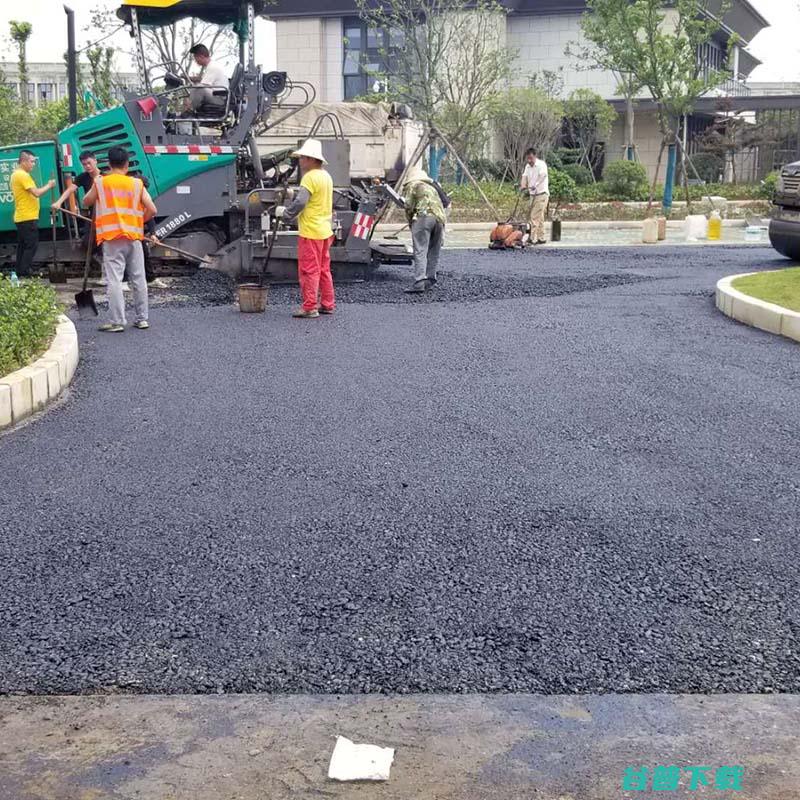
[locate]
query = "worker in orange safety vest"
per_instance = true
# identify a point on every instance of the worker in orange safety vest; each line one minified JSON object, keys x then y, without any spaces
{"x":122,"y":208}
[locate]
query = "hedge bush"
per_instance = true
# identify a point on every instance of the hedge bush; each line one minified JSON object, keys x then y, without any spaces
{"x":28,"y":316}
{"x":770,"y":185}
{"x":626,"y":180}
{"x":581,"y":174}
{"x":562,"y":189}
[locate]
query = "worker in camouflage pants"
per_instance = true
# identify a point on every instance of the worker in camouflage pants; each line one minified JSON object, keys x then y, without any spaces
{"x":427,"y":218}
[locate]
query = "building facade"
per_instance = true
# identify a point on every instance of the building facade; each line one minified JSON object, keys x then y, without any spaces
{"x":48,"y":81}
{"x":325,"y":43}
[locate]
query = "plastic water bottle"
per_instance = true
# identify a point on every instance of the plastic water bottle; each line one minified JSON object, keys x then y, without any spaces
{"x":13,"y":278}
{"x":715,"y":226}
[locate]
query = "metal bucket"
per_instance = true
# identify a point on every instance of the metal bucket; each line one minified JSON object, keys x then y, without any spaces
{"x":252,"y":298}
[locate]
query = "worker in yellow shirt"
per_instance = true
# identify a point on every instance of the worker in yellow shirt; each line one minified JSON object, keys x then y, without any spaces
{"x":313,"y":209}
{"x":26,"y":210}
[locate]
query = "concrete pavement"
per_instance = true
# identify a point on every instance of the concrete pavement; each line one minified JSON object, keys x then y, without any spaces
{"x":475,"y":747}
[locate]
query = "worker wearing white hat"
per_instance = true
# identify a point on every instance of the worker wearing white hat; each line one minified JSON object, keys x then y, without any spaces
{"x":426,"y":216}
{"x":312,"y":207}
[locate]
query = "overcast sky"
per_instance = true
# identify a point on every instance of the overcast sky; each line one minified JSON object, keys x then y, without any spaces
{"x":778,"y":46}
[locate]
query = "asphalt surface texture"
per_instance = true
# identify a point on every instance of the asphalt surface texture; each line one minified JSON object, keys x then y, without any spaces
{"x":558,"y":472}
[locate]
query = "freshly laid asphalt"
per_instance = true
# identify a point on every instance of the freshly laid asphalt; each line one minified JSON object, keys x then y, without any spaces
{"x":562,"y":471}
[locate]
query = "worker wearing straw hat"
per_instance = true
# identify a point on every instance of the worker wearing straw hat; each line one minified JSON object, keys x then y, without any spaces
{"x":313,"y":209}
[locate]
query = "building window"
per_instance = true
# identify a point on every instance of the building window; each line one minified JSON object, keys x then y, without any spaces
{"x":62,"y":91}
{"x":365,"y":56}
{"x":711,"y":58}
{"x":47,"y":93}
{"x":31,"y":92}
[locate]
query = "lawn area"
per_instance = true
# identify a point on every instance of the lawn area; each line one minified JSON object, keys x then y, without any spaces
{"x":781,"y":287}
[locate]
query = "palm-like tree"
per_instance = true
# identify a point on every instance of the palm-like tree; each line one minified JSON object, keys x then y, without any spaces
{"x":20,"y":33}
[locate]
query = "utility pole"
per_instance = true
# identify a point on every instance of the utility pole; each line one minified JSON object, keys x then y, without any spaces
{"x":72,"y":69}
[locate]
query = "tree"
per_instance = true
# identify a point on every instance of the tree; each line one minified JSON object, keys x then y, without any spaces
{"x":446,"y":62}
{"x":20,"y":33}
{"x":656,"y":44}
{"x":587,"y":121}
{"x":101,"y":71}
{"x":15,"y":117}
{"x":729,"y":134}
{"x":170,"y":44}
{"x":527,"y":118}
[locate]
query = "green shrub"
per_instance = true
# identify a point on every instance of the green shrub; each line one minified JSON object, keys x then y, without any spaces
{"x":769,"y":185}
{"x":709,"y":166}
{"x":580,"y":174}
{"x":594,"y":192}
{"x":562,"y":189}
{"x":560,"y":157}
{"x":28,"y":315}
{"x":626,"y":180}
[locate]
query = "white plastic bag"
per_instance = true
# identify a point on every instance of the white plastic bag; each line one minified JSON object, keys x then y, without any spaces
{"x":360,"y":762}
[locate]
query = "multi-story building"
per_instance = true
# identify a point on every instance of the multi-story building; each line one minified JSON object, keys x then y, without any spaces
{"x":48,"y":81}
{"x":325,"y":43}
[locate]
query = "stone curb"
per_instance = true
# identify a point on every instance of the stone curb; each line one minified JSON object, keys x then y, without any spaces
{"x":754,"y":312}
{"x":31,"y":388}
{"x":599,"y":225}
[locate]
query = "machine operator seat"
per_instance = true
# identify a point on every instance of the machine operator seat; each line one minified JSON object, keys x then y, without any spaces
{"x":232,"y":97}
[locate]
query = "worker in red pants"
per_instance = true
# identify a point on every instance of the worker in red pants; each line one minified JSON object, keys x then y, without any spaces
{"x":312,"y":207}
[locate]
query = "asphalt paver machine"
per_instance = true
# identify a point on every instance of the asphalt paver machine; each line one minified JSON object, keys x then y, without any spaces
{"x":214,"y":191}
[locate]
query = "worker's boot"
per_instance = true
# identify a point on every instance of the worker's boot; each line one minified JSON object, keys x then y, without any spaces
{"x":418,"y":288}
{"x":301,"y":313}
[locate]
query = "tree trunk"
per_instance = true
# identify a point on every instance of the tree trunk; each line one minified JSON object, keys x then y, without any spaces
{"x":630,"y":151}
{"x":686,"y":183}
{"x":23,"y":74}
{"x":655,"y":177}
{"x":669,"y":178}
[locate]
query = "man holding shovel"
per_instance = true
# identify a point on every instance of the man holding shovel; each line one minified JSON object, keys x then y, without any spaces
{"x":122,"y":206}
{"x":84,"y":181}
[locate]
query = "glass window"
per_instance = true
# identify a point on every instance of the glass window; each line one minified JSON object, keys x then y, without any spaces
{"x":367,"y":56}
{"x":352,"y":36}
{"x":352,"y":62}
{"x":47,"y":92}
{"x":354,"y":86}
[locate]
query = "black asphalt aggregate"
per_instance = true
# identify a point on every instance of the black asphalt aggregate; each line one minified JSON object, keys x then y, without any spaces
{"x":561,"y":471}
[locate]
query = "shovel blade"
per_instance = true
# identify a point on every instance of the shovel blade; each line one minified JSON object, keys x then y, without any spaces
{"x":86,"y":304}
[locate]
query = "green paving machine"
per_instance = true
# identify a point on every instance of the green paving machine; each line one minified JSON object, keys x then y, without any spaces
{"x":215,"y":192}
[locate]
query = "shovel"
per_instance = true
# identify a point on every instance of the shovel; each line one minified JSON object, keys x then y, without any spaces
{"x":84,"y":299}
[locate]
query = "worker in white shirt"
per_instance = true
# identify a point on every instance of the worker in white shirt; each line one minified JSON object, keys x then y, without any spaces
{"x":536,"y":183}
{"x":211,"y":77}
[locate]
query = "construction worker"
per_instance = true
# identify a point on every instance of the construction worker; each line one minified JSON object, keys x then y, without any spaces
{"x":122,"y":206}
{"x":26,"y":211}
{"x":312,"y":207}
{"x":211,"y":77}
{"x":536,"y":183}
{"x":427,"y":218}
{"x":84,"y":181}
